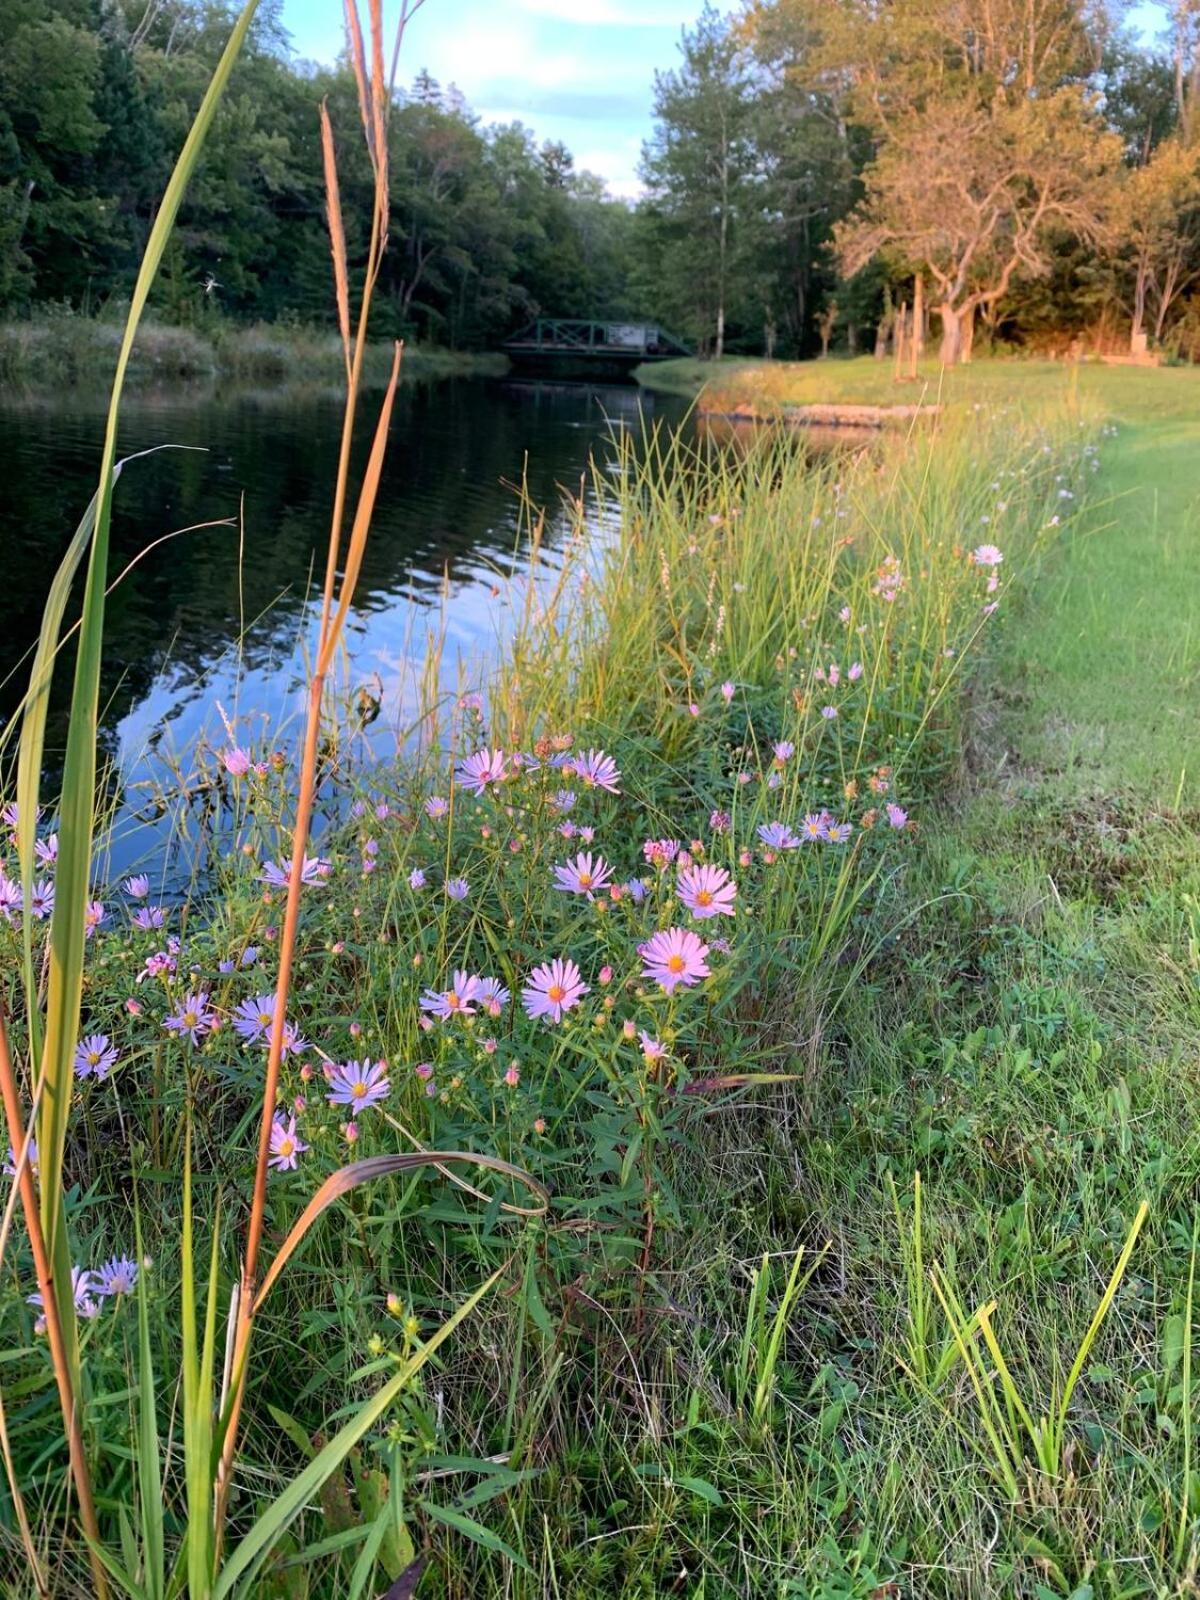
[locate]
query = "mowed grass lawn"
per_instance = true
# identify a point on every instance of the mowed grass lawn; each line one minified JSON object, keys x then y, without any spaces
{"x":1028,"y":1043}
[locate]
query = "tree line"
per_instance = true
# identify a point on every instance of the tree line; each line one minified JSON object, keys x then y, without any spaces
{"x":1026,"y":167}
{"x":96,"y":97}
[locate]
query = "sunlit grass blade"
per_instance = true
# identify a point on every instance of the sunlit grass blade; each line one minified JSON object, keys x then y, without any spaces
{"x":349,"y":1177}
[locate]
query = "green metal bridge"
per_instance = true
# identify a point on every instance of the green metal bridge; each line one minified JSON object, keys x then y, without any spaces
{"x":564,"y":344}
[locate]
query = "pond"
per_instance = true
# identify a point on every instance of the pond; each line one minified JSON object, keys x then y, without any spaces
{"x":220,"y":616}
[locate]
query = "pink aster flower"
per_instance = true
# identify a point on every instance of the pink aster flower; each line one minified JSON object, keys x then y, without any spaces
{"x":595,"y":770}
{"x":585,"y":875}
{"x":94,"y":914}
{"x":661,"y":851}
{"x":727,"y":692}
{"x":896,"y":815}
{"x":149,"y":917}
{"x":553,"y":988}
{"x":481,"y":769}
{"x":286,"y":1145}
{"x":720,"y":822}
{"x":676,"y":956}
{"x":236,"y":761}
{"x":707,"y":891}
{"x":456,"y":1001}
{"x":358,"y":1084}
{"x":653,"y":1049}
{"x":436,"y":806}
{"x":855,"y":672}
{"x":986,"y":555}
{"x":784,"y":750}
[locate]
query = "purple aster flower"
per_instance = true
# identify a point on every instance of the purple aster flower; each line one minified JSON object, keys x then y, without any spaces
{"x":94,"y":914}
{"x":587,"y":834}
{"x":838,"y":832}
{"x":855,"y":671}
{"x":11,"y":815}
{"x":456,"y":1001}
{"x":293,"y":1042}
{"x":816,"y":825}
{"x":595,"y":770}
{"x":777,"y":836}
{"x":252,"y":1018}
{"x":10,"y":898}
{"x":986,"y":555}
{"x":553,"y":988}
{"x":249,"y":955}
{"x":896,"y":815}
{"x":829,"y":712}
{"x":585,"y":875}
{"x":41,"y":901}
{"x":83,"y":1290}
{"x":236,"y":760}
{"x":31,"y":1160}
{"x":563,"y":800}
{"x":675,"y":956}
{"x":436,"y":806}
{"x":94,"y":1055}
{"x":707,"y":891}
{"x":416,"y":879}
{"x":358,"y":1084}
{"x":193,"y":1019}
{"x":784,"y":750}
{"x":138,"y":887}
{"x":149,"y":917}
{"x":492,"y":995}
{"x":720,"y":822}
{"x":481,"y":769}
{"x":46,"y":850}
{"x":313,"y":872}
{"x":458,"y":888}
{"x":286,"y":1145}
{"x":636,"y":890}
{"x":118,"y":1275}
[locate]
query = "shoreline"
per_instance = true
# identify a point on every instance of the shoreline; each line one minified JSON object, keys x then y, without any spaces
{"x":79,"y":350}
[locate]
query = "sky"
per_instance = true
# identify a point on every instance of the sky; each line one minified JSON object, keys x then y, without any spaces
{"x":580,"y":71}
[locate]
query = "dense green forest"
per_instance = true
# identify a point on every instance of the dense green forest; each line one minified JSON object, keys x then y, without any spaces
{"x":1035,"y":164}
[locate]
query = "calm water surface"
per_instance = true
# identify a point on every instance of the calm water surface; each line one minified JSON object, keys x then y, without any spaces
{"x":222,"y":616}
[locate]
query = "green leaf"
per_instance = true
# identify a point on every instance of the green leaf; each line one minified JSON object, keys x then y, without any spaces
{"x":475,"y":1531}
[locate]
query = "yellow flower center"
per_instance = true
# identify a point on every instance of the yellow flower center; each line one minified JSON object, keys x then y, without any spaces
{"x":286,"y":1146}
{"x":93,"y":1058}
{"x":556,"y":993}
{"x":359,"y":1089}
{"x":453,"y":1001}
{"x":585,"y":880}
{"x":675,"y":963}
{"x":704,"y":898}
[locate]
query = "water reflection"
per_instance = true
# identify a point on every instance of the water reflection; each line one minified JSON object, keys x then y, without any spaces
{"x":219,"y":615}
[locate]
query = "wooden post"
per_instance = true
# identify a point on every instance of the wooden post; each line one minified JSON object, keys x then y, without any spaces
{"x":914,"y":350}
{"x":901,"y":326}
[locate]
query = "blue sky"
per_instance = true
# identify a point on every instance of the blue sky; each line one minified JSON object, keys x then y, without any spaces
{"x":576,"y":70}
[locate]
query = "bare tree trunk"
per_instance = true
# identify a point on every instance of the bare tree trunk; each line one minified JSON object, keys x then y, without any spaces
{"x":918,"y":324}
{"x":968,"y":333}
{"x":1140,"y":284}
{"x":951,"y":349}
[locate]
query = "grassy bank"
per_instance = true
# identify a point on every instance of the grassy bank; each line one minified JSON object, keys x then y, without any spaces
{"x":1145,"y":394}
{"x":772,"y":654}
{"x":79,"y":350}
